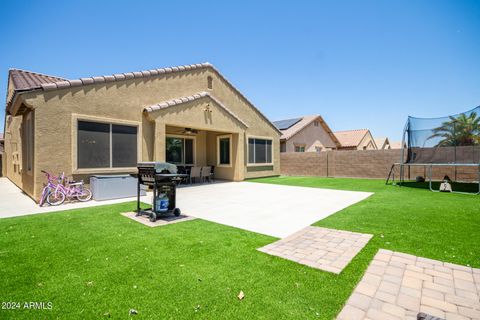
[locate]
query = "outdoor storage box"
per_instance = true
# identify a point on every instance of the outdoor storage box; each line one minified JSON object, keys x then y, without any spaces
{"x":105,"y":187}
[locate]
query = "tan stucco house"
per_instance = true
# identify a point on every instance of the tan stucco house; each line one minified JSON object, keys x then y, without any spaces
{"x":360,"y":139}
{"x":188,"y":115}
{"x":306,"y":134}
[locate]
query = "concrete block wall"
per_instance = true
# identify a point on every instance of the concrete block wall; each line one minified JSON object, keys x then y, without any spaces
{"x":373,"y":164}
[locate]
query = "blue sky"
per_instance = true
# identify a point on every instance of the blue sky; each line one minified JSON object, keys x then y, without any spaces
{"x":360,"y":64}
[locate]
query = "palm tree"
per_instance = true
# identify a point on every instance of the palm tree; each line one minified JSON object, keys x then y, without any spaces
{"x":463,"y":130}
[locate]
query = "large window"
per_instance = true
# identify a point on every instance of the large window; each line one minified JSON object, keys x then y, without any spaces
{"x":224,"y":150}
{"x":259,"y":151}
{"x":180,"y":150}
{"x":105,"y":145}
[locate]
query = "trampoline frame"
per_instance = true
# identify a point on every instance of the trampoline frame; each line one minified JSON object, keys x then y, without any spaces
{"x":430,"y":166}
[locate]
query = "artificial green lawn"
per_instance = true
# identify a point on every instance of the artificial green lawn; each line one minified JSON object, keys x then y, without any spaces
{"x":94,"y":263}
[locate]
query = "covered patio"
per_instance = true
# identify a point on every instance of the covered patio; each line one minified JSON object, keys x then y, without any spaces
{"x":191,"y":147}
{"x":198,"y":131}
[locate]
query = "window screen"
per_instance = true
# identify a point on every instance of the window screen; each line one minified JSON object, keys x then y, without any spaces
{"x":259,"y":150}
{"x":251,"y":150}
{"x":93,"y":145}
{"x":124,"y":146}
{"x":269,"y":151}
{"x":224,"y":145}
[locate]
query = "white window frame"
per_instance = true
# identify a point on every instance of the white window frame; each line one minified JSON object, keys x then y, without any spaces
{"x":229,"y":137}
{"x":81,"y":117}
{"x":181,"y":136}
{"x":248,"y":151}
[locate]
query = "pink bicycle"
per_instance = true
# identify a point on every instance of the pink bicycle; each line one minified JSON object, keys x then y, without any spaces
{"x":47,"y":188}
{"x":65,"y":189}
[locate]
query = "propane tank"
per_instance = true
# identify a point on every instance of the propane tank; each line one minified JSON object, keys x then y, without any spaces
{"x":161,"y":203}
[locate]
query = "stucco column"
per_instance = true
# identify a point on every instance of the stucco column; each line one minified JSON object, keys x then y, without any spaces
{"x":240,"y":157}
{"x":159,"y":141}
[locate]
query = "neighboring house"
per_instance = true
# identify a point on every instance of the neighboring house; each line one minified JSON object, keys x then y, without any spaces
{"x":382,"y":143}
{"x":306,"y":134}
{"x":188,"y":115}
{"x":360,"y":139}
{"x":397,"y":145}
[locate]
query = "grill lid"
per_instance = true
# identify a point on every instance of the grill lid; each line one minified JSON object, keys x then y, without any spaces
{"x":159,"y":167}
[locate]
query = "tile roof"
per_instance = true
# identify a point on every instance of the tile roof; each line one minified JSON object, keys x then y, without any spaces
{"x":27,"y":80}
{"x":196,"y":96}
{"x":122,"y":76}
{"x":305,"y":121}
{"x":351,"y":138}
{"x":49,"y":85}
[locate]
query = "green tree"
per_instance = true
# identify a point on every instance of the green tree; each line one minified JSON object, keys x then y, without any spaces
{"x":463,"y":130}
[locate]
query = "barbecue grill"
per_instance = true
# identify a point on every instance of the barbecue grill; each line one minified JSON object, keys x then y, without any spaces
{"x":163,"y":178}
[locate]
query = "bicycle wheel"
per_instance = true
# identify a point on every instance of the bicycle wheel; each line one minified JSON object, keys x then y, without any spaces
{"x":84,"y":195}
{"x":43,"y":198}
{"x":56,"y":197}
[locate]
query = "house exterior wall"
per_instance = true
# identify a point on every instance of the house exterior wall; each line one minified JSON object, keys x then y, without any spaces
{"x":311,"y":136}
{"x":122,"y":102}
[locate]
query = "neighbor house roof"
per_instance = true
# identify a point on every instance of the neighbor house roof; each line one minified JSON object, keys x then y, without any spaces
{"x":351,"y":138}
{"x":51,"y":84}
{"x":182,"y":100}
{"x":291,"y":127}
{"x":27,"y":80}
{"x":381,"y":141}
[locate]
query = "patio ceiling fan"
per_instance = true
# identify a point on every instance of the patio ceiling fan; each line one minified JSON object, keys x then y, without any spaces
{"x":189,"y":131}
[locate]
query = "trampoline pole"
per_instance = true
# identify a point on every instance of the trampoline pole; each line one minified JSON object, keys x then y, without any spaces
{"x":430,"y":178}
{"x":402,"y":154}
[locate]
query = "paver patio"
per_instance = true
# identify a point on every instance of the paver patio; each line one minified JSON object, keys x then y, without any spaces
{"x":399,"y":286}
{"x":326,"y":249}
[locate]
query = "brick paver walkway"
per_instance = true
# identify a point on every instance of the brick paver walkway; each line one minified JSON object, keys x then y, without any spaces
{"x":398,"y":286}
{"x":326,"y":249}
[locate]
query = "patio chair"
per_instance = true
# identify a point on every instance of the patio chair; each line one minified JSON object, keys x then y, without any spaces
{"x":206,"y":174}
{"x":195,"y":172}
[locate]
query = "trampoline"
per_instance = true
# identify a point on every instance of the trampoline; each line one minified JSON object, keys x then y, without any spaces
{"x":437,"y":149}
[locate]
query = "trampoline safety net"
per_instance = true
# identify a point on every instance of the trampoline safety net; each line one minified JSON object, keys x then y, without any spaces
{"x":453,"y":139}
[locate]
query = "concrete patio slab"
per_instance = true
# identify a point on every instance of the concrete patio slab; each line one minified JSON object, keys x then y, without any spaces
{"x":13,"y":202}
{"x":269,"y":209}
{"x":163,"y":221}
{"x":399,"y":286}
{"x":326,"y":249}
{"x":274,"y":210}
